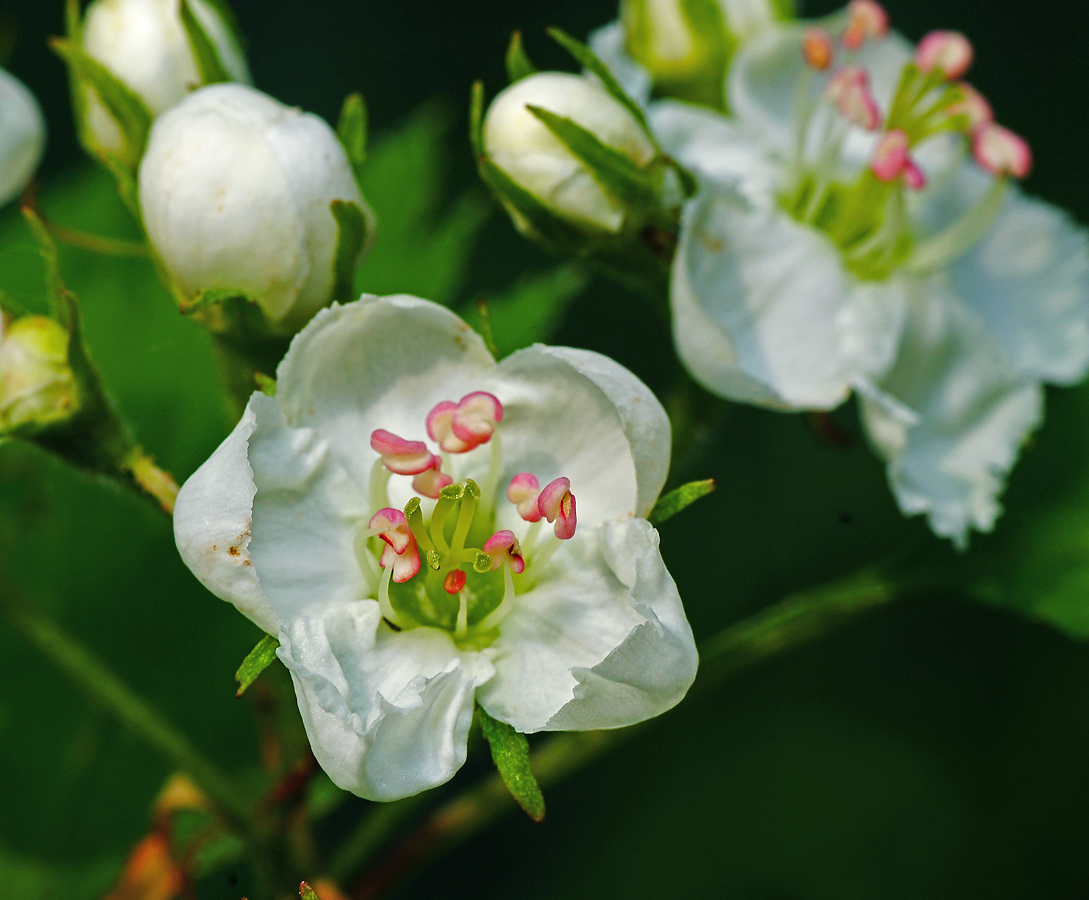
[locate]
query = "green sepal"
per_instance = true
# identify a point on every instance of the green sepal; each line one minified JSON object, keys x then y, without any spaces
{"x":476,"y":119}
{"x":213,"y":297}
{"x":590,"y":61}
{"x":307,"y":893}
{"x":562,"y":237}
{"x":519,"y":65}
{"x":127,"y":189}
{"x":610,"y":168}
{"x":484,"y":327}
{"x":266,"y":384}
{"x":681,"y":498}
{"x":351,"y":239}
{"x":352,"y":131}
{"x":209,"y":65}
{"x":510,"y":752}
{"x":54,"y":283}
{"x":127,"y":108}
{"x":227,"y":15}
{"x":256,"y":661}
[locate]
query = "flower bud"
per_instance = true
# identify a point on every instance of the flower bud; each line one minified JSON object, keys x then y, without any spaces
{"x":22,"y":136}
{"x":235,"y":191}
{"x":529,"y":153}
{"x":37,"y":386}
{"x":145,"y":46}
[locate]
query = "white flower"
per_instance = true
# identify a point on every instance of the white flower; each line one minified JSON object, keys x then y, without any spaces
{"x":552,"y":615}
{"x":235,"y":191}
{"x":22,"y":136}
{"x":843,"y":241}
{"x":531,"y":155}
{"x":144,"y":45}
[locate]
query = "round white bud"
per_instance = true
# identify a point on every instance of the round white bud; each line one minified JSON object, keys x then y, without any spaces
{"x":22,"y":136}
{"x":533,"y":157}
{"x":235,"y":193}
{"x":144,"y":45}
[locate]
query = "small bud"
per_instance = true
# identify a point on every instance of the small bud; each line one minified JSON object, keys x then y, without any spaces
{"x":22,"y":136}
{"x":866,"y":20}
{"x":1001,"y":152}
{"x":817,"y":48}
{"x":144,"y":45}
{"x":37,"y":386}
{"x":950,"y":52}
{"x":533,"y":157}
{"x":235,"y":191}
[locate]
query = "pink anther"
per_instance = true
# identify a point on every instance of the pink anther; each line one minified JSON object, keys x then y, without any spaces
{"x":401,"y":456}
{"x":557,"y":504}
{"x":849,"y":89}
{"x":973,"y":106}
{"x":503,"y":547}
{"x":865,"y":20}
{"x":523,"y":492}
{"x":817,"y":48}
{"x":1001,"y":152}
{"x":462,"y":426}
{"x":430,"y":482}
{"x":890,"y":158}
{"x":950,"y":52}
{"x":400,"y":550}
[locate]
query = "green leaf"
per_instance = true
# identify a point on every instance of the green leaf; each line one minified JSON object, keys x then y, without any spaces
{"x":476,"y":119}
{"x":519,"y":65}
{"x":48,"y":250}
{"x":352,"y":131}
{"x":210,"y":66}
{"x":483,"y":328}
{"x":589,"y":61}
{"x":610,"y":168}
{"x":510,"y":751}
{"x":553,"y":230}
{"x":351,"y":239}
{"x":307,"y":893}
{"x":266,"y":384}
{"x":681,"y":498}
{"x":126,"y":107}
{"x":256,"y":661}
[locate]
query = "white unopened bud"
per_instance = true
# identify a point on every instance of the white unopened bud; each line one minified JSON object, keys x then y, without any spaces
{"x":37,"y":387}
{"x":144,"y":45}
{"x":22,"y":136}
{"x":235,"y":192}
{"x":531,"y":155}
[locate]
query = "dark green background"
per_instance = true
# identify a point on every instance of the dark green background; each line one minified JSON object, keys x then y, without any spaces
{"x":936,"y":750}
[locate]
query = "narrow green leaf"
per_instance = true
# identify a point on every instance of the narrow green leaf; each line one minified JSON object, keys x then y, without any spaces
{"x":476,"y":119}
{"x":258,"y":659}
{"x":352,"y":131}
{"x":675,"y":501}
{"x":351,"y":238}
{"x":73,"y":21}
{"x":48,"y":249}
{"x":484,"y":327}
{"x":307,"y":893}
{"x":210,"y":66}
{"x":609,"y":167}
{"x":548,"y":226}
{"x":590,"y":61}
{"x":126,"y":107}
{"x":266,"y":384}
{"x":519,"y":65}
{"x":510,"y":751}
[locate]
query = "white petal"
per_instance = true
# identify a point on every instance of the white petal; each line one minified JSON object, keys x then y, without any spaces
{"x":577,"y":414}
{"x":974,"y":411}
{"x":608,"y":43}
{"x":601,"y":642}
{"x":212,"y":525}
{"x":1028,"y":280}
{"x":715,"y":147}
{"x":22,"y":136}
{"x":307,"y":513}
{"x":756,"y":303}
{"x":377,"y":363}
{"x":748,"y":18}
{"x":387,"y":713}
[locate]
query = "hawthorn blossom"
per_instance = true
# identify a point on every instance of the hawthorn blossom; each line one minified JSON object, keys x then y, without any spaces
{"x":22,"y":136}
{"x":857,"y":231}
{"x":397,"y":605}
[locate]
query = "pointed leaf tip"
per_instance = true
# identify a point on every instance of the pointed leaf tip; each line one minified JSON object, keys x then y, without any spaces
{"x":681,"y":498}
{"x":256,"y":661}
{"x":307,"y":893}
{"x":519,"y":65}
{"x":510,"y":752}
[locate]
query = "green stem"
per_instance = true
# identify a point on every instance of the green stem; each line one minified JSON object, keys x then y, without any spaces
{"x":794,"y":621}
{"x":133,"y":711}
{"x":150,"y":480}
{"x":97,"y":243}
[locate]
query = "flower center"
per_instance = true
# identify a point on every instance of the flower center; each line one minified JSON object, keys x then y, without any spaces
{"x":869,"y":218}
{"x":442,"y":564}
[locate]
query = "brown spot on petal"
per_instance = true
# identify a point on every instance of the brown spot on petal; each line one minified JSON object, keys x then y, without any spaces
{"x":233,"y":551}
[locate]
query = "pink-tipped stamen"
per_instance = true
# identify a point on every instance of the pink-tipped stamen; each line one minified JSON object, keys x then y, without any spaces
{"x":914,"y":177}
{"x":849,"y":89}
{"x":465,"y":425}
{"x":973,"y":106}
{"x":430,"y":482}
{"x":400,"y":551}
{"x":890,"y":158}
{"x":1001,"y":152}
{"x":401,"y":456}
{"x":503,"y":547}
{"x":950,"y":52}
{"x":454,"y":581}
{"x":523,"y":491}
{"x":817,"y":48}
{"x":865,"y":20}
{"x":557,"y":504}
